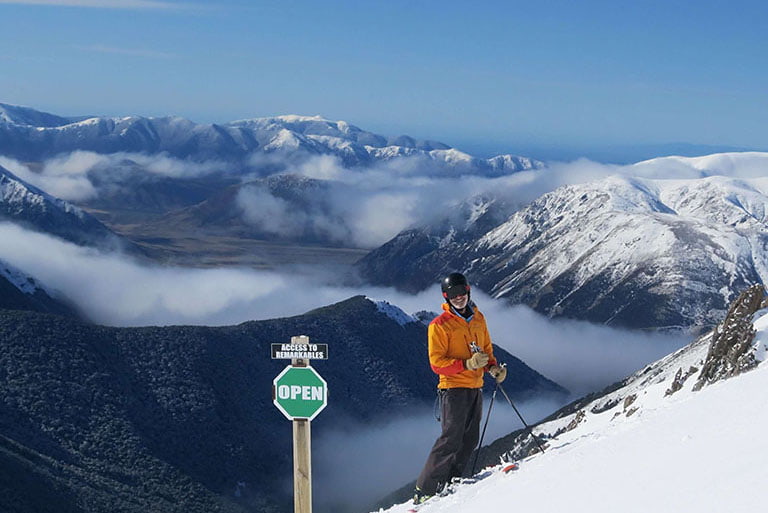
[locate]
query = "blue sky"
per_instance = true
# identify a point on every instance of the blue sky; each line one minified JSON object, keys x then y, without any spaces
{"x":487,"y":76}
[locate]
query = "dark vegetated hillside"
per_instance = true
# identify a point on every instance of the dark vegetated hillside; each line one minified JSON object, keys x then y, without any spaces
{"x":150,"y":419}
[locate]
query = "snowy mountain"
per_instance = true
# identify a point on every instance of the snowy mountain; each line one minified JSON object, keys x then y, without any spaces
{"x":24,"y":116}
{"x":29,"y":135}
{"x":668,"y":438}
{"x":634,"y":252}
{"x":24,"y":204}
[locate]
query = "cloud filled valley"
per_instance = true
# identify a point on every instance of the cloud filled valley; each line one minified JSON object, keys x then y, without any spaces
{"x":117,"y":290}
{"x":355,"y":206}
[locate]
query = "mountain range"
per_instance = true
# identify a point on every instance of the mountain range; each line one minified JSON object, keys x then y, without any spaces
{"x":633,"y":252}
{"x":32,"y":136}
{"x":626,"y":251}
{"x":157,"y":180}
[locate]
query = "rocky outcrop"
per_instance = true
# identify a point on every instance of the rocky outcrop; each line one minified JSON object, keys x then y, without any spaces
{"x":680,"y":379}
{"x":731,"y":351}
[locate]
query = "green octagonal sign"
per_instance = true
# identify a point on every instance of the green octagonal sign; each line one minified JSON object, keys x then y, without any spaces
{"x":300,"y":392}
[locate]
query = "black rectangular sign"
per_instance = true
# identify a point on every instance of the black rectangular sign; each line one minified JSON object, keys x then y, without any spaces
{"x":300,"y":351}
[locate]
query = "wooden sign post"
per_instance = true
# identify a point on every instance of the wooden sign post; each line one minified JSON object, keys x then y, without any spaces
{"x":300,"y":394}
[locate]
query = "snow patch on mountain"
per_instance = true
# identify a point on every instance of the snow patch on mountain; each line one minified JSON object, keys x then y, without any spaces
{"x":17,"y":196}
{"x":393,"y":312}
{"x":682,"y":234}
{"x":760,"y":343}
{"x":19,"y":279}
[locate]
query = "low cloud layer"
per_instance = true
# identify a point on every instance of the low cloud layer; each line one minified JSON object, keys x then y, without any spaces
{"x":361,"y":207}
{"x":80,"y":175}
{"x":113,"y":289}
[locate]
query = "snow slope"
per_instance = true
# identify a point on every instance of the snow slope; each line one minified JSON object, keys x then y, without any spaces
{"x":691,"y":451}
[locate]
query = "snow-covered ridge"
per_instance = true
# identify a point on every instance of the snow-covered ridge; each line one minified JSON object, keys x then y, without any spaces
{"x":26,"y":205}
{"x":37,"y":136}
{"x":24,"y":116}
{"x":691,"y":240}
{"x":19,"y":279}
{"x":393,"y":312}
{"x":18,"y":195}
{"x":747,"y":163}
{"x":684,"y":450}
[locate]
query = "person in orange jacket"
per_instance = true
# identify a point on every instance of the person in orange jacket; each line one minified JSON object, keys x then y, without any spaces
{"x":460,"y":350}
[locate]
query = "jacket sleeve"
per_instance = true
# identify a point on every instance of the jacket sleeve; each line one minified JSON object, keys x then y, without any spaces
{"x":439,"y":360}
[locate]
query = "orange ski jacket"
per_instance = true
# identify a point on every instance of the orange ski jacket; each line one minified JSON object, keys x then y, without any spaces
{"x":450,"y":336}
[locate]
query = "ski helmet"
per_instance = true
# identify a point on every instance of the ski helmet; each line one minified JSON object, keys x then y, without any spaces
{"x":455,"y":284}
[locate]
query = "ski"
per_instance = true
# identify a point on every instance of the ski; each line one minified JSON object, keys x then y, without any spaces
{"x":510,"y":468}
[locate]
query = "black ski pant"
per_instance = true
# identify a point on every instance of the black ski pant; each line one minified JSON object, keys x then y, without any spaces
{"x":461,"y":410}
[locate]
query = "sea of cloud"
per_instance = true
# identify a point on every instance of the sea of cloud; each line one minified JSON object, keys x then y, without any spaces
{"x":362,"y":207}
{"x":117,"y":290}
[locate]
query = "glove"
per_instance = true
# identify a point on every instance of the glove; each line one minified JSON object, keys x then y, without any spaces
{"x":478,"y":361}
{"x":498,"y":372}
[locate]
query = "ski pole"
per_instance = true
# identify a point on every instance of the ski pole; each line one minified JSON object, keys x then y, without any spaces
{"x":530,"y":431}
{"x":487,"y":418}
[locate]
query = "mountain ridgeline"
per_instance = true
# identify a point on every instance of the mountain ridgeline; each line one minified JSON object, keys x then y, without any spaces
{"x":32,"y":136}
{"x":30,"y":207}
{"x":181,"y":418}
{"x":621,"y":251}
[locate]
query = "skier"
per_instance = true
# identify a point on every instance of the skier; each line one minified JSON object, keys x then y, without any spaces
{"x":459,"y":351}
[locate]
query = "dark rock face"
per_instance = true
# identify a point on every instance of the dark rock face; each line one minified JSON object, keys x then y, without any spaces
{"x":731,"y":351}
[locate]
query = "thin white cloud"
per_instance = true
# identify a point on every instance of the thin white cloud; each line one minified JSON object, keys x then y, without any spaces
{"x":67,"y":176}
{"x":99,"y":4}
{"x":63,"y":182}
{"x":127,"y":51}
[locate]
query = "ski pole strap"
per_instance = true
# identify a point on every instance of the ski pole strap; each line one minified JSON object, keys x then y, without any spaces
{"x":438,"y":405}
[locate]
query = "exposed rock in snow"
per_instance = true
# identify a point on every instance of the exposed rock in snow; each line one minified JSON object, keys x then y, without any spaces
{"x":732,"y":350}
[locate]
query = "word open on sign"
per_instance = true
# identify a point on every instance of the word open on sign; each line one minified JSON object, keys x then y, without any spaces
{"x":304,"y":393}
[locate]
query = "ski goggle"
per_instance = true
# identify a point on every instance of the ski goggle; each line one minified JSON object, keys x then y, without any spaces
{"x":456,"y":290}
